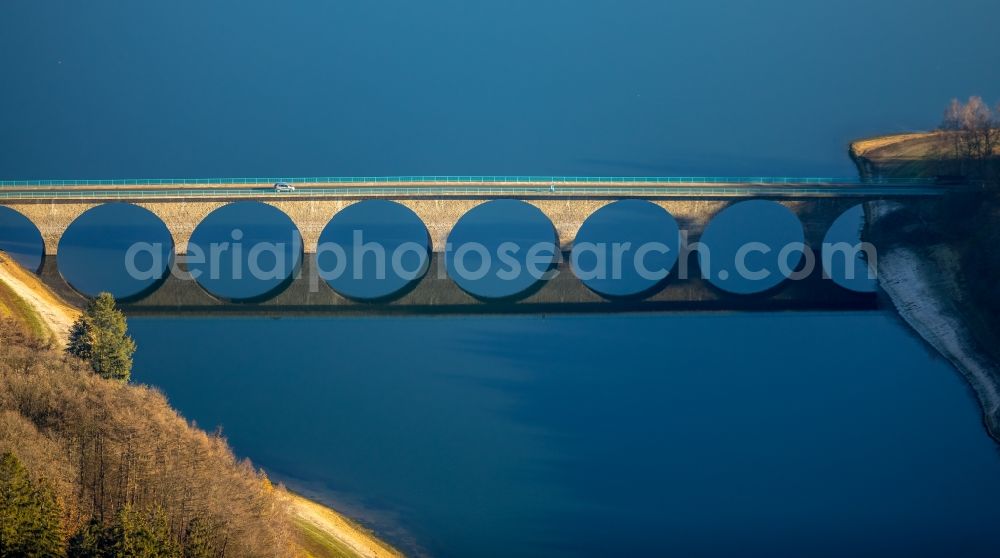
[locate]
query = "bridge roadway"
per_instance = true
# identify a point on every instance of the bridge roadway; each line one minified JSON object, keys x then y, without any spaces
{"x":467,"y":186}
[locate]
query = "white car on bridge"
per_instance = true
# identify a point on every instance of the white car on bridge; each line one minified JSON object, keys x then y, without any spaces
{"x":283,"y":187}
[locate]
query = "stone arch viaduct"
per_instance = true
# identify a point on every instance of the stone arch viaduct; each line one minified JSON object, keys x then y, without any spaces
{"x":311,"y":208}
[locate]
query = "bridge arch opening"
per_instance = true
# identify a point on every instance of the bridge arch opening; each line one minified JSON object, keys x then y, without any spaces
{"x":502,"y":250}
{"x":21,"y":240}
{"x":626,"y":249}
{"x":373,"y":250}
{"x":245,"y":251}
{"x":845,"y":259}
{"x":751,"y":247}
{"x":116,"y":247}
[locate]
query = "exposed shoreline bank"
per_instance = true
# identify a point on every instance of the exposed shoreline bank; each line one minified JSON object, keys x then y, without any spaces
{"x":923,"y":286}
{"x":321,"y":531}
{"x":324,"y":531}
{"x":925,"y":281}
{"x":46,"y":309}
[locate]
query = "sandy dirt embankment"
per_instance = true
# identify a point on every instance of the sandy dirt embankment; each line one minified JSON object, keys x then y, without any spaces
{"x":325,"y":532}
{"x":56,"y":314}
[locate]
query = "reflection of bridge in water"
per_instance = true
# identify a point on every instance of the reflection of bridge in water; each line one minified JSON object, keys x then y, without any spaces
{"x":439,"y":204}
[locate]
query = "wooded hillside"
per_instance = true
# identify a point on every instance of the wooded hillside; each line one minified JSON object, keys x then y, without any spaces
{"x":112,"y":452}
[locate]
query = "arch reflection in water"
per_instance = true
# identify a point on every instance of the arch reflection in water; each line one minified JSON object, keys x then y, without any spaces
{"x":20,"y":239}
{"x":501,"y":249}
{"x":374,"y":249}
{"x":751,"y":247}
{"x":119,"y":248}
{"x":626,"y":248}
{"x":245,"y":251}
{"x":845,"y":259}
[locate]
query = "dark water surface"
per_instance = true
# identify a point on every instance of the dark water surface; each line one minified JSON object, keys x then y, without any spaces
{"x":118,"y":248}
{"x":21,"y":239}
{"x":374,"y":249}
{"x":857,"y":273}
{"x":245,"y":251}
{"x":501,"y":249}
{"x":591,"y":87}
{"x":694,"y":434}
{"x":646,"y":236}
{"x":750,"y":247}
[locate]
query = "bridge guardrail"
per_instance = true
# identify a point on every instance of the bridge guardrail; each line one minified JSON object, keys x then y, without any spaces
{"x":768,"y":180}
{"x":474,"y":191}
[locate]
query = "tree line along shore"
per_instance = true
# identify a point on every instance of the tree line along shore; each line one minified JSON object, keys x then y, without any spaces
{"x":92,"y":465}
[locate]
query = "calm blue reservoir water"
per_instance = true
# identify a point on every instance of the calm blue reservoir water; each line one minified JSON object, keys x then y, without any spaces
{"x":696,"y":434}
{"x":582,"y":87}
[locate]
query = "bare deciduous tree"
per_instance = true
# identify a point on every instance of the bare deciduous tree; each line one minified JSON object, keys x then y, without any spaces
{"x":974,"y":131}
{"x":952,"y":119}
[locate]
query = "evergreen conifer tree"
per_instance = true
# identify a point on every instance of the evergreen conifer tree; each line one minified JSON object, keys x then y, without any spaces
{"x":100,"y":336}
{"x":134,"y":534}
{"x":30,"y":522}
{"x":199,"y":540}
{"x":88,"y":541}
{"x":80,"y":343}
